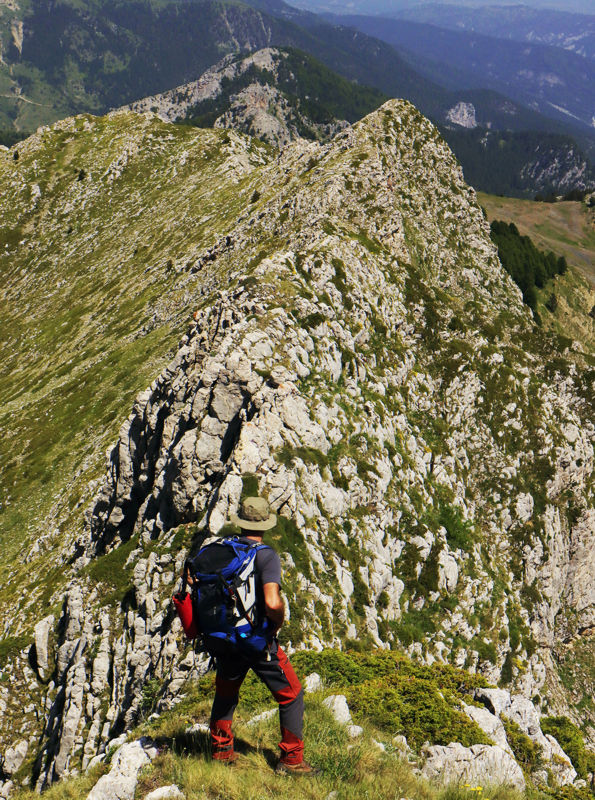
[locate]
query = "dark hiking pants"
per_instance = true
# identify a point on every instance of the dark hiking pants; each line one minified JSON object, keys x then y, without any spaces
{"x":279,"y":677}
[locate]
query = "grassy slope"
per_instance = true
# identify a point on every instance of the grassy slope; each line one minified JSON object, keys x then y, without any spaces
{"x":387,"y":694}
{"x":351,"y":768}
{"x":569,"y":230}
{"x":94,"y":294}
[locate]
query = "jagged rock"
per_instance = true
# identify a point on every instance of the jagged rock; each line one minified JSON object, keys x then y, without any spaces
{"x":580,"y":584}
{"x":6,"y":788}
{"x":337,"y":704}
{"x":479,"y":764}
{"x":490,"y":724}
{"x":522,"y":711}
{"x":14,"y":757}
{"x":120,"y":782}
{"x":448,"y":571}
{"x":42,"y":632}
{"x":496,"y":700}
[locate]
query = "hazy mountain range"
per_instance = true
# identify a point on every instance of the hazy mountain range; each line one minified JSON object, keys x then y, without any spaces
{"x":551,"y":80}
{"x":398,"y":7}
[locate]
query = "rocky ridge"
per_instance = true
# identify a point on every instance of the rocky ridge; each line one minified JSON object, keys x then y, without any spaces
{"x":371,"y":369}
{"x":260,"y":107}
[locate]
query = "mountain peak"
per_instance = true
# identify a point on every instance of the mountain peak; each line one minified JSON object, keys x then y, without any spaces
{"x":348,"y":345}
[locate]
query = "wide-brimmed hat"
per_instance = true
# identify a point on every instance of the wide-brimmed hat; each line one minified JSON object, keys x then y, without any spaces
{"x":254,"y":515}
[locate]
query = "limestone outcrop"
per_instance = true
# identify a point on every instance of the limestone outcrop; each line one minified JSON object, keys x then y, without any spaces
{"x":480,"y":764}
{"x":258,"y":108}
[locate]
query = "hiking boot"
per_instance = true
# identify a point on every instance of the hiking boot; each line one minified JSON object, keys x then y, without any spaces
{"x":303,"y":768}
{"x":229,"y":760}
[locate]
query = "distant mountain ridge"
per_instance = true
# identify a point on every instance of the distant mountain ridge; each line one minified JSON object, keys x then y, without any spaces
{"x":551,"y":80}
{"x":280,"y":94}
{"x":276,"y":95}
{"x":571,"y":31}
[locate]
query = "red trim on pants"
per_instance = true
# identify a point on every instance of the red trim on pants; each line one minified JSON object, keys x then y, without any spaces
{"x":290,"y":692}
{"x":221,"y":739}
{"x":292,"y":748}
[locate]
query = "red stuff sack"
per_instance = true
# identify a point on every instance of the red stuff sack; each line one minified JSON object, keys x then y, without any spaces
{"x":183,"y":605}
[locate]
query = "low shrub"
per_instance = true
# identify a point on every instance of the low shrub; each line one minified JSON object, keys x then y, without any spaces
{"x":572,"y":742}
{"x":527,"y":752}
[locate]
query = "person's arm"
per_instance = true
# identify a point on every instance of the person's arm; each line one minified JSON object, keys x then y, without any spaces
{"x":273,"y":604}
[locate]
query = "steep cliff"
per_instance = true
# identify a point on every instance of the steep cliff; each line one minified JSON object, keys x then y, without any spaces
{"x":358,"y":355}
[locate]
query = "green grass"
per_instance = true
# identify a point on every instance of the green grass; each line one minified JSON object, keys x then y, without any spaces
{"x":72,"y":361}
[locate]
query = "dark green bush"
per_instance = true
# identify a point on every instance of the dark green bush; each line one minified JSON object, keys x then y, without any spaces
{"x":527,"y":752}
{"x":572,"y":742}
{"x":415,"y":707}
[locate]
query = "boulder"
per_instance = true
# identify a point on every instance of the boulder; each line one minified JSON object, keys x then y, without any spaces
{"x":14,"y":757}
{"x":120,"y":782}
{"x":312,"y":683}
{"x":479,"y":764}
{"x":337,"y":703}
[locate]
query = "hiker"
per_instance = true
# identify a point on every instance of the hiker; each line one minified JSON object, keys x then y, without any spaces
{"x":270,"y":664}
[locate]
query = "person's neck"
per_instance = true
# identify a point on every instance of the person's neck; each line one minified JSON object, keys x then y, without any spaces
{"x":252,"y":535}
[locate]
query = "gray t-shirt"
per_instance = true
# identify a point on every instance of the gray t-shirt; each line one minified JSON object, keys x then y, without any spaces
{"x":268,"y":564}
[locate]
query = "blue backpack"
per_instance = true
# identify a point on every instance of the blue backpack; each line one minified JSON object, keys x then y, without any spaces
{"x":225,"y":602}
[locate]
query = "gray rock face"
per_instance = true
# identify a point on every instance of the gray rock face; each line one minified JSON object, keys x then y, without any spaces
{"x":42,"y":632}
{"x":490,"y":724}
{"x":480,"y":764}
{"x":521,"y":711}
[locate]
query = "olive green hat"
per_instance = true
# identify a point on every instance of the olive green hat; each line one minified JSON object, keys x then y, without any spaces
{"x":254,"y":515}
